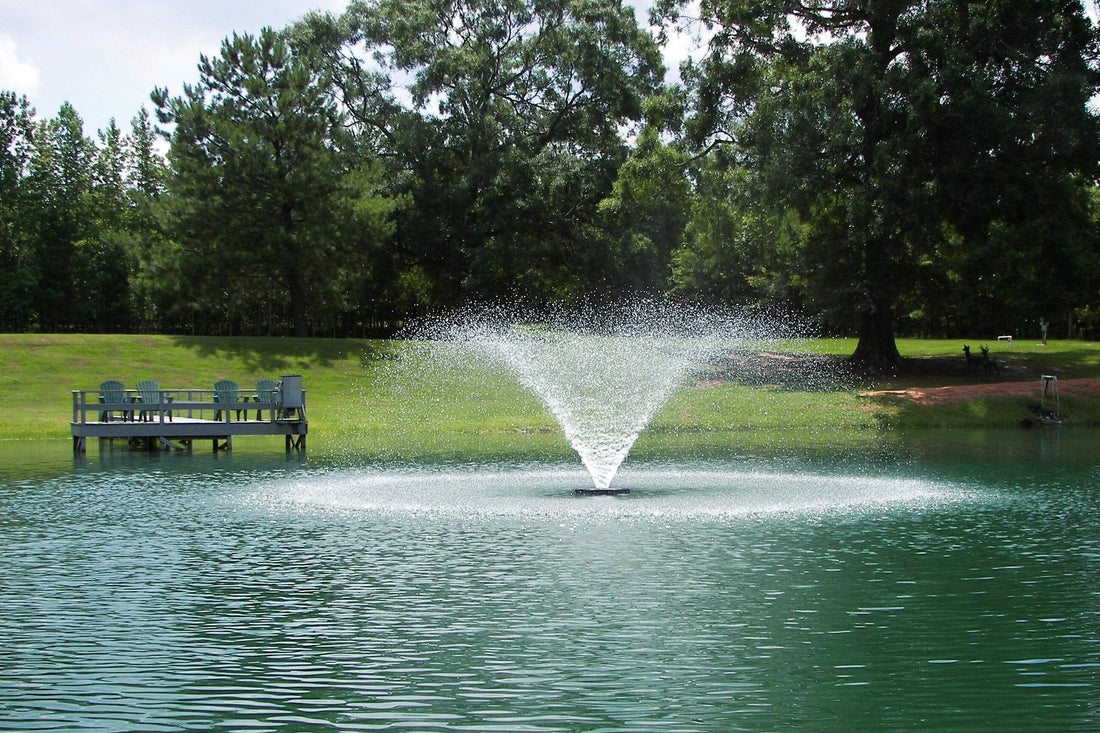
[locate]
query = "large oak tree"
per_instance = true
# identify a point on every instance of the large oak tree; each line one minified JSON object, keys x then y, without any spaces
{"x":504,"y":125}
{"x":905,"y":134}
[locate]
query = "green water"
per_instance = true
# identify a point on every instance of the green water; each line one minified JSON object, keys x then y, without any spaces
{"x":946,"y":583}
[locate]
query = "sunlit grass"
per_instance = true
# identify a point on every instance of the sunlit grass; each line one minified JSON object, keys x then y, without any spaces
{"x":392,"y":399}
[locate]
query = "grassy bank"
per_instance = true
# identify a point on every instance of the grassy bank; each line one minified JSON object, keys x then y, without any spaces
{"x":384,"y":398}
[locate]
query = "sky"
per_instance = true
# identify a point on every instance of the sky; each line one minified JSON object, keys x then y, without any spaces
{"x":105,"y":56}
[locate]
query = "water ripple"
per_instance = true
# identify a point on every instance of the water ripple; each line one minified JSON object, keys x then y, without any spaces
{"x":441,"y":600}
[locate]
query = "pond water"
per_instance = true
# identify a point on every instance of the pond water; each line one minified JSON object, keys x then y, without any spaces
{"x":948,"y":583}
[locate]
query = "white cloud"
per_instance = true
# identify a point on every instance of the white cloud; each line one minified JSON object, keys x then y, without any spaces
{"x":105,"y":56}
{"x":19,"y":75}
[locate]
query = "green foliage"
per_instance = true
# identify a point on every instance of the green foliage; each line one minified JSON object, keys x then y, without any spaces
{"x":646,"y":213}
{"x":273,"y":216}
{"x":17,"y":268}
{"x":884,"y":168}
{"x":922,"y":147}
{"x":58,"y":183}
{"x":510,"y":139}
{"x":73,"y":221}
{"x":735,"y":251}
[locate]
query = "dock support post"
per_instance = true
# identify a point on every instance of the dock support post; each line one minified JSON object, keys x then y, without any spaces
{"x":79,"y":445}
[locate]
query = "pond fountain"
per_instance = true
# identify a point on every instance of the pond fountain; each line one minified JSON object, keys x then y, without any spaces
{"x":935,"y":582}
{"x":604,"y":375}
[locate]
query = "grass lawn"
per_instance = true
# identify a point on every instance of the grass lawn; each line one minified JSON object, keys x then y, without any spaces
{"x":385,"y":399}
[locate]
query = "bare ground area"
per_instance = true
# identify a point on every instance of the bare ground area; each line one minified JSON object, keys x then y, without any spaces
{"x":939,"y":381}
{"x":924,"y":381}
{"x":966,"y":392}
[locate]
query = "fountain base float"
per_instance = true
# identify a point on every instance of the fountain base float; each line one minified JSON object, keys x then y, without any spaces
{"x":600,"y":492}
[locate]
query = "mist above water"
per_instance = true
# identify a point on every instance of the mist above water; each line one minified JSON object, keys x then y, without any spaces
{"x":604,"y":373}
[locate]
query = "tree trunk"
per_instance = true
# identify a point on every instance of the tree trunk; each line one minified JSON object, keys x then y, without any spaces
{"x":299,"y":312}
{"x":877,"y":350}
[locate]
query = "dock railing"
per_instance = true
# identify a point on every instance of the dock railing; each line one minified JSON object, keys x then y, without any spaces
{"x":178,"y":417}
{"x":196,"y":404}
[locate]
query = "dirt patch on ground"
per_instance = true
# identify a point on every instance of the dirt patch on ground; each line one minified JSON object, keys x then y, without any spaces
{"x":966,"y":392}
{"x":775,"y":368}
{"x":926,"y":380}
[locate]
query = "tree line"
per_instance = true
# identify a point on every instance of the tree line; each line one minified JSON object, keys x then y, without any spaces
{"x":884,"y":167}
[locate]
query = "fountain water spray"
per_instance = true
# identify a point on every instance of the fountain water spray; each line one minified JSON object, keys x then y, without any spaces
{"x":602,"y":390}
{"x":605,"y":373}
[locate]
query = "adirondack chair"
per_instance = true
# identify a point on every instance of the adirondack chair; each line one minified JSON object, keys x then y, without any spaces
{"x":149,"y":394}
{"x":112,"y":395}
{"x":225,"y":393}
{"x":291,"y":398}
{"x":265,"y":394}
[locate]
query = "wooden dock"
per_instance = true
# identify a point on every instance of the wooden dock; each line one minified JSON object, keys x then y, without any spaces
{"x":182,"y":416}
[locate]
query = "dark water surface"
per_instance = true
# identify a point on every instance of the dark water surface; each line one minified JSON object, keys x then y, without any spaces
{"x":951,"y":583}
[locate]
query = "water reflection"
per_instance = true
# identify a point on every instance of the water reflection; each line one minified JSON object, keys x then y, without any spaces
{"x":948,"y":591}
